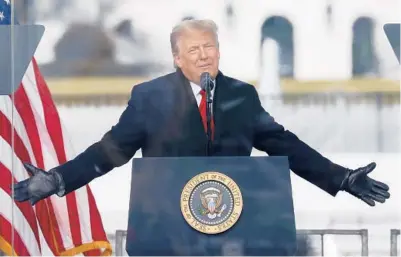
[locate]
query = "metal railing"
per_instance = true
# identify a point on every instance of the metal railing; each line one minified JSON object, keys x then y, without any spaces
{"x":363,"y":233}
{"x":119,"y":246}
{"x":394,"y":233}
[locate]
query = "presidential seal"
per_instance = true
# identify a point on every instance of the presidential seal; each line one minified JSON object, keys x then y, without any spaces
{"x":211,"y":202}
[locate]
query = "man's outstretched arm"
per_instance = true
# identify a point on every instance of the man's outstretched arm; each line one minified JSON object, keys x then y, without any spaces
{"x":272,"y":138}
{"x":115,"y":149}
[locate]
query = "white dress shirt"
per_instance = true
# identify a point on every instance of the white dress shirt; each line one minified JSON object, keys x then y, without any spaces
{"x":197,"y":89}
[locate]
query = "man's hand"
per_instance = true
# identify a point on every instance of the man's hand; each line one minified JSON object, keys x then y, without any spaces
{"x":358,"y":184}
{"x":40,"y":186}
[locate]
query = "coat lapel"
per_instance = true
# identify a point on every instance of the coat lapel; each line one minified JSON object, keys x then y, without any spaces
{"x":187,"y":109}
{"x":221,"y":96}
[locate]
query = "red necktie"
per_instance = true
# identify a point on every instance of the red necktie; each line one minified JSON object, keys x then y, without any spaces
{"x":202,"y":110}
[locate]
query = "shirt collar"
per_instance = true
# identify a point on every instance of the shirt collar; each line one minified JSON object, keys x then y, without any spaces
{"x":196,"y":88}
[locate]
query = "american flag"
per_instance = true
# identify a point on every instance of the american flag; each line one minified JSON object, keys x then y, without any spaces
{"x":31,"y":131}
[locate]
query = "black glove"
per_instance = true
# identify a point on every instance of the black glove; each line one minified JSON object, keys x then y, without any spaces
{"x":40,"y":186}
{"x":358,"y":184}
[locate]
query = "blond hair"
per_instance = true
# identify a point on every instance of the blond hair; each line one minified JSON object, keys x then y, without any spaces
{"x":205,"y":25}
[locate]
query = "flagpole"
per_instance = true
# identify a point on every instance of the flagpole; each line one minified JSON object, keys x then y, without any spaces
{"x":12,"y":121}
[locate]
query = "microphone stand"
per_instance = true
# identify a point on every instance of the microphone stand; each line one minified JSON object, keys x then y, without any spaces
{"x":209,"y":102}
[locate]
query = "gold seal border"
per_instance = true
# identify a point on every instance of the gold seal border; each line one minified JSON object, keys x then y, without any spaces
{"x":206,"y":177}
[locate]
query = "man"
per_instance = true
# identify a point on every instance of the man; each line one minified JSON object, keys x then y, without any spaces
{"x":163,"y":119}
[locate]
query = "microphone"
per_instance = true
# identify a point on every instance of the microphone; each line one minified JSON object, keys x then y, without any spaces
{"x":207,"y":85}
{"x":206,"y":80}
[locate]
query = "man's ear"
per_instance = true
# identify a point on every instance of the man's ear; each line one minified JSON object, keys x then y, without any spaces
{"x":177,"y":61}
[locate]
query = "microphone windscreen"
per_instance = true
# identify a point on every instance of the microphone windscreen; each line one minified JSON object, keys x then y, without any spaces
{"x":204,"y":79}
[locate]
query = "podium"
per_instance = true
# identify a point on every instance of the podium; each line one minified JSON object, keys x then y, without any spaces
{"x":211,"y":206}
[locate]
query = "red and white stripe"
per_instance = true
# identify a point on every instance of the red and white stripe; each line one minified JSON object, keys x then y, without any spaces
{"x":54,"y":225}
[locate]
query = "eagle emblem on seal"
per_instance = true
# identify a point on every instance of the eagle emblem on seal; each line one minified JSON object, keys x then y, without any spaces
{"x":212,"y":203}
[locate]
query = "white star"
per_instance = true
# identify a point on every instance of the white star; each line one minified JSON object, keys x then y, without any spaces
{"x":7,"y":2}
{"x":1,"y":16}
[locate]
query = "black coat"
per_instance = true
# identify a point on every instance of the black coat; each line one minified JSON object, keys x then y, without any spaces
{"x":163,"y":120}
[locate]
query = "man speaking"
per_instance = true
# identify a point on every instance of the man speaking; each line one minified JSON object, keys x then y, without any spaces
{"x":166,"y":117}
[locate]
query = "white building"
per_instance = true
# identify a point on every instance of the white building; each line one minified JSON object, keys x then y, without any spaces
{"x":317,"y":39}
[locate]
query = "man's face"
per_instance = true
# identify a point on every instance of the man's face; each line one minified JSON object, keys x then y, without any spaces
{"x":198,"y":52}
